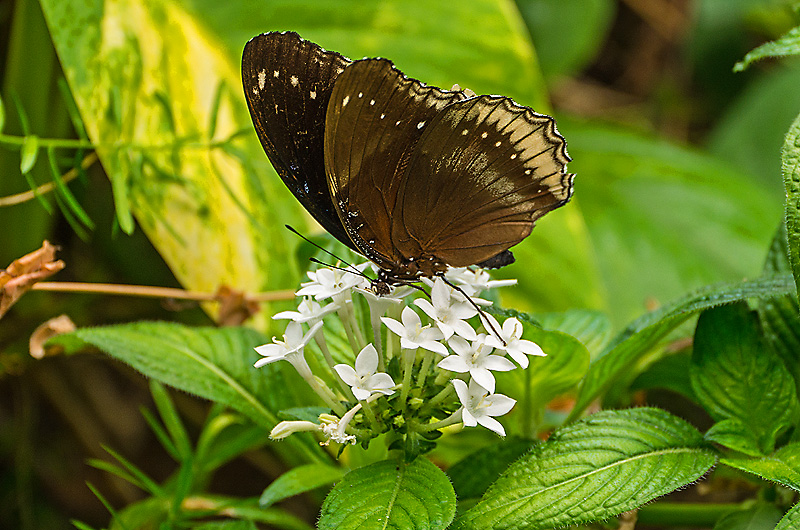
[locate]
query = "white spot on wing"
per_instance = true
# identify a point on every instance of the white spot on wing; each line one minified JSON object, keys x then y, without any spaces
{"x":360,"y":94}
{"x":255,"y":91}
{"x":397,"y":122}
{"x":312,"y":94}
{"x":372,"y":102}
{"x":383,"y":116}
{"x":464,"y":132}
{"x":294,"y":80}
{"x":527,"y":171}
{"x":262,"y":79}
{"x":484,"y":135}
{"x":498,"y":144}
{"x":513,"y":156}
{"x":275,"y":73}
{"x":420,"y":125}
{"x":345,"y":101}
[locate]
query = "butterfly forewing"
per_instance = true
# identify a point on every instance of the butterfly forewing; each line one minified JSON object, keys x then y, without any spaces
{"x":480,"y":176}
{"x":375,"y":118}
{"x":288,"y":83}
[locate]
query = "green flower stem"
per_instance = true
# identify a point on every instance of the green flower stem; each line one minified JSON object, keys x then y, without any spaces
{"x":326,"y":394}
{"x":370,"y":414}
{"x":445,"y":393}
{"x":452,"y":419}
{"x":423,"y":371}
{"x":408,"y":365}
{"x":319,"y":338}
{"x":443,"y":377}
{"x":375,"y":322}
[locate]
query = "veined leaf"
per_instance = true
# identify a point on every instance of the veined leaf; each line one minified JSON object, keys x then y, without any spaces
{"x":645,"y":332}
{"x":606,"y":464}
{"x":788,"y":44}
{"x":782,"y":466}
{"x":391,"y":494}
{"x":791,"y":520}
{"x":790,"y":166}
{"x":731,"y":362}
{"x":473,"y":475}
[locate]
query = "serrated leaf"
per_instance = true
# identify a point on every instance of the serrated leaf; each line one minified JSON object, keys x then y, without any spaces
{"x":731,"y":362}
{"x":214,"y":363}
{"x":788,"y":44}
{"x":760,"y":517}
{"x":29,"y":153}
{"x":791,"y":520}
{"x":731,"y":433}
{"x":780,"y":316}
{"x":475,"y":473}
{"x":390,"y":494}
{"x":645,"y":332}
{"x":790,"y":167}
{"x":782,"y":466}
{"x":606,"y":464}
{"x":299,"y":480}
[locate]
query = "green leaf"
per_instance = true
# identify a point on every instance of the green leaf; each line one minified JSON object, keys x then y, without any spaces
{"x":790,"y":166}
{"x":592,"y":328}
{"x":29,"y":154}
{"x":788,"y":44}
{"x":299,"y":480}
{"x":791,"y":520}
{"x":391,"y":494}
{"x":780,"y":316}
{"x":730,"y":363}
{"x":473,"y":475}
{"x":75,"y":209}
{"x":606,"y":464}
{"x":2,"y":114}
{"x":227,"y":525}
{"x":760,"y":517}
{"x":782,"y":466}
{"x":670,"y":372}
{"x":544,"y":379}
{"x":733,"y":434}
{"x":172,"y":421}
{"x":654,"y":206}
{"x":214,"y":363}
{"x":645,"y":332}
{"x":563,"y":53}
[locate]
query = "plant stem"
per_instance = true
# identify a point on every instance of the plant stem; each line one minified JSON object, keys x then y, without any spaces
{"x":151,"y":292}
{"x":684,"y":513}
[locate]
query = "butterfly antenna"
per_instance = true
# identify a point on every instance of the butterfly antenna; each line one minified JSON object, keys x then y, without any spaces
{"x":351,"y":271}
{"x":481,"y":312}
{"x":328,"y":252}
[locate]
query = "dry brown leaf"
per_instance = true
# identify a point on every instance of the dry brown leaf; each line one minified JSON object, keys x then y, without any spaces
{"x":234,"y":307}
{"x":55,"y":326}
{"x":20,"y":276}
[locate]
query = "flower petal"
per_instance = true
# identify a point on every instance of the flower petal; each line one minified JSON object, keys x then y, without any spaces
{"x":491,"y":424}
{"x":367,"y":361}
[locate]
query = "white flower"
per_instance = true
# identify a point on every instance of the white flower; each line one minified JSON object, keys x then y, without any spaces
{"x":286,"y":428}
{"x":290,"y":348}
{"x":308,"y":311}
{"x":327,"y":283}
{"x":476,"y":359}
{"x":334,"y":428}
{"x":517,"y":347}
{"x":475,"y":281}
{"x":479,"y":406}
{"x":448,"y":314}
{"x":364,"y":381}
{"x":413,"y":335}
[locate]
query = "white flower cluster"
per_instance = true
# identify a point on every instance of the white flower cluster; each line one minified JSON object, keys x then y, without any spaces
{"x":465,"y":357}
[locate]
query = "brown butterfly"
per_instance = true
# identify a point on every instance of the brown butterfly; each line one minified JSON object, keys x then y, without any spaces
{"x":411,"y":176}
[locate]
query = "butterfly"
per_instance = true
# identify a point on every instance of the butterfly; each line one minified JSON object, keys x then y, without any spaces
{"x":411,"y":176}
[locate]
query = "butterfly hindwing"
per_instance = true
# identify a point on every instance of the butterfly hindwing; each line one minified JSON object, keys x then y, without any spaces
{"x":288,"y":82}
{"x":375,"y":118}
{"x":480,"y":176}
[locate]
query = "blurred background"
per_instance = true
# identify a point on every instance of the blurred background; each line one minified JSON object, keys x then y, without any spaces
{"x":677,"y":160}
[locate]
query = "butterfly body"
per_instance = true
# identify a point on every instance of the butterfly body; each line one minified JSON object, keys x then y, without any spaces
{"x":413,"y":177}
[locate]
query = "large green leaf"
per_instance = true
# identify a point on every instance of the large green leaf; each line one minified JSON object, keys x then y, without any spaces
{"x":731,"y":362}
{"x":606,"y":464}
{"x":645,"y":332}
{"x":791,"y":520}
{"x":664,"y":219}
{"x":214,"y":363}
{"x":391,"y":494}
{"x":790,"y":157}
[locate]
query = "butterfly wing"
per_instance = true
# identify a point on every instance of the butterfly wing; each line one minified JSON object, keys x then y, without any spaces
{"x":481,"y":175}
{"x":375,"y":117}
{"x":287,"y":84}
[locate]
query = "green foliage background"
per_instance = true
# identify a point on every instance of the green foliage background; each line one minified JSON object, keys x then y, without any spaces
{"x":677,"y":161}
